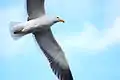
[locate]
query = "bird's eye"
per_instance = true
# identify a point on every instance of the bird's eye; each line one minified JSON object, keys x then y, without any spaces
{"x":57,"y":17}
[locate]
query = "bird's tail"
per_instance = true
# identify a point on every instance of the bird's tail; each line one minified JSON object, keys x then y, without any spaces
{"x":15,"y":30}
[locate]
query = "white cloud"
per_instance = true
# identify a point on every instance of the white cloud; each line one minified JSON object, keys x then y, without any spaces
{"x":93,"y":39}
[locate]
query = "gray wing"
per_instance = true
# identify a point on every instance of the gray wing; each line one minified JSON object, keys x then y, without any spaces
{"x":35,"y":8}
{"x":54,"y":54}
{"x":46,"y":41}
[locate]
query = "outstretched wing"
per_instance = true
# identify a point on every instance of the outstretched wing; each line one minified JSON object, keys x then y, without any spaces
{"x":46,"y":41}
{"x":35,"y":8}
{"x":54,"y":54}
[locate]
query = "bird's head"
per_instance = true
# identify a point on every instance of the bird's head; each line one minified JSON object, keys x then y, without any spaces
{"x":58,"y":19}
{"x":52,"y":20}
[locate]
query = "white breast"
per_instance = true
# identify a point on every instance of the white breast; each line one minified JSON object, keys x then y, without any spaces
{"x":38,"y":23}
{"x":20,"y":29}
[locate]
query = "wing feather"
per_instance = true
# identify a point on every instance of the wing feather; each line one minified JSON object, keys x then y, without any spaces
{"x":54,"y":54}
{"x":35,"y":8}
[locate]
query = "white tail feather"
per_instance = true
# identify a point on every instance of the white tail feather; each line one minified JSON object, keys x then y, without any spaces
{"x":14,"y":26}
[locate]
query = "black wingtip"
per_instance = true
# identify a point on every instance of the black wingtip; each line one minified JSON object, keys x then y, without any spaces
{"x":67,"y":75}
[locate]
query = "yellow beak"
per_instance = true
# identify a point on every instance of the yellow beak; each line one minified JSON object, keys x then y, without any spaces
{"x":61,"y":21}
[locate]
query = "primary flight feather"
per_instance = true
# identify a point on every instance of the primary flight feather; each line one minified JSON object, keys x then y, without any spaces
{"x":39,"y":25}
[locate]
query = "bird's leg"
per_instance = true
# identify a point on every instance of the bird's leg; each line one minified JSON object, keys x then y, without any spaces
{"x":17,"y":32}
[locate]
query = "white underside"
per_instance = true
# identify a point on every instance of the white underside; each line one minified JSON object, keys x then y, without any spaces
{"x":23,"y":28}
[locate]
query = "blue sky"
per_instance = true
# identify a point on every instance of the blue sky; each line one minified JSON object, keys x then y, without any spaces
{"x":90,"y":39}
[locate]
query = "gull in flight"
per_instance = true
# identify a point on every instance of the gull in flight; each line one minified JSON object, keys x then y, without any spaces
{"x":39,"y":24}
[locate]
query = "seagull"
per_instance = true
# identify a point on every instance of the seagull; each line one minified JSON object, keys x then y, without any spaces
{"x":39,"y":24}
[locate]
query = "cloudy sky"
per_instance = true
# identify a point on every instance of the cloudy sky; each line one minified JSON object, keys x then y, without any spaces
{"x":90,"y":39}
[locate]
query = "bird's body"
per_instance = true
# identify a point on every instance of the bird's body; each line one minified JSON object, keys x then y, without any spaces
{"x":39,"y":25}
